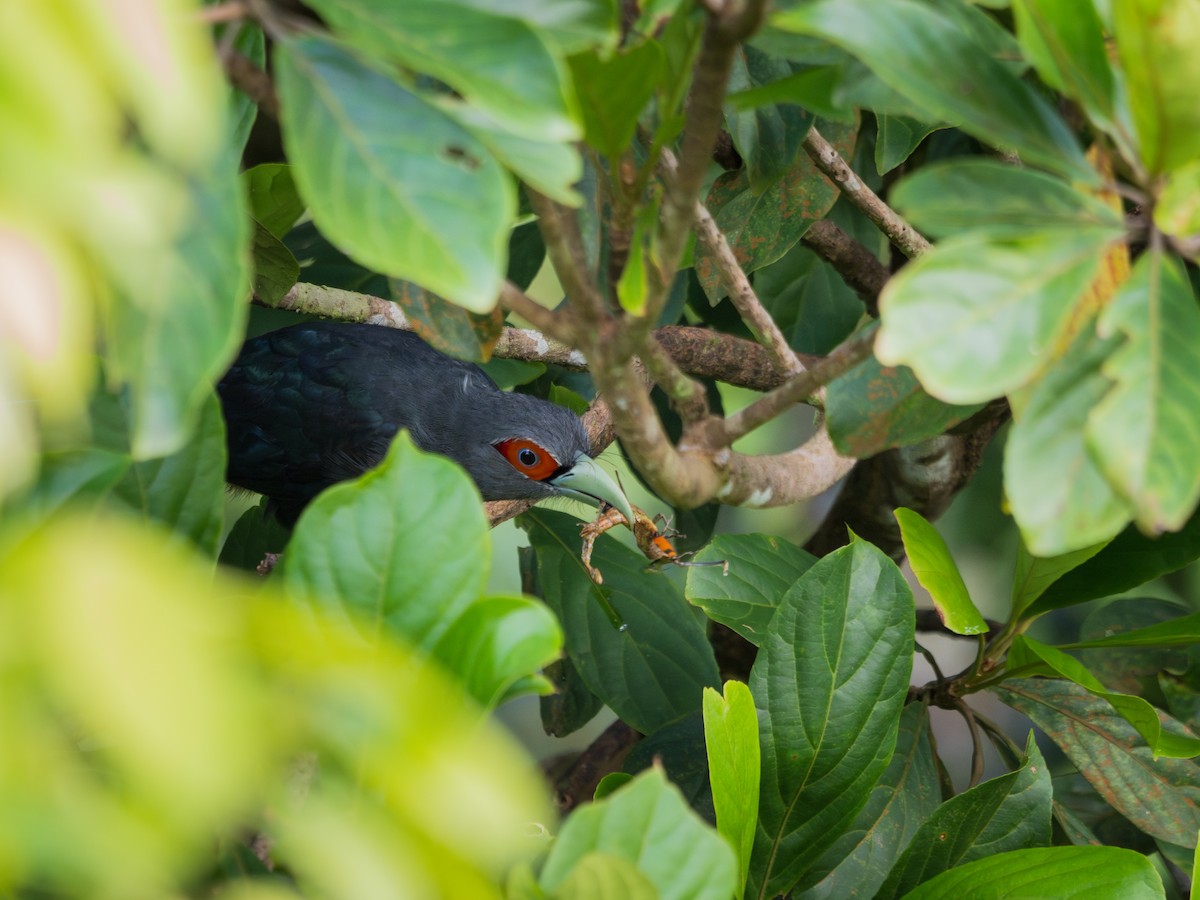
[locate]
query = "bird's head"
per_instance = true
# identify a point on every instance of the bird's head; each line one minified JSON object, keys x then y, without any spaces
{"x":527,"y":448}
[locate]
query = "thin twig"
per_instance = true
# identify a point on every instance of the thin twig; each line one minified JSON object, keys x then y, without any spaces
{"x":688,"y":395}
{"x":741,"y":292}
{"x":564,"y":245}
{"x":845,"y":356}
{"x":219,"y":13}
{"x":976,"y":742}
{"x":517,"y":301}
{"x":830,"y":162}
{"x":252,"y":81}
{"x":932,"y":660}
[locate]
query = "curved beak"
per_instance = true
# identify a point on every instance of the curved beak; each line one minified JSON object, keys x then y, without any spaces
{"x":586,"y":481}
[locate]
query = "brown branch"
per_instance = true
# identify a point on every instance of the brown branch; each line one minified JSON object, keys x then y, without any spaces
{"x":829,"y":161}
{"x":564,"y":246}
{"x":857,"y":265}
{"x":517,"y":301}
{"x":605,"y":755}
{"x":251,"y":81}
{"x":710,"y":354}
{"x":218,"y":13}
{"x":687,"y":395}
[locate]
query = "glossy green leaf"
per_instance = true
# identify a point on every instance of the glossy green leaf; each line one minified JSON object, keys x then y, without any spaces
{"x":1131,"y":559}
{"x":1059,"y":497}
{"x":275,"y":269}
{"x":767,"y":137}
{"x":986,"y":197}
{"x":274,"y":200}
{"x":1181,"y":632}
{"x":1010,"y":812}
{"x":613,"y":90}
{"x":873,"y":407}
{"x":809,"y":301}
{"x":678,"y":749}
{"x":841,"y":640}
{"x":649,"y":824}
{"x":455,"y":331}
{"x":1144,"y":432}
{"x":497,"y":62}
{"x":402,"y":550}
{"x":762,"y":569}
{"x":255,"y":534}
{"x":938,"y":573}
{"x":252,"y":44}
{"x":1155,"y":41}
{"x":186,"y":490}
{"x":496,"y":643}
{"x":975,"y":319}
{"x":762,"y":226}
{"x":1160,"y":796}
{"x":1035,"y":574}
{"x":1135,"y":710}
{"x":734,"y":767}
{"x":572,"y":705}
{"x":814,"y":89}
{"x":1066,"y":873}
{"x":384,"y":173}
{"x":925,"y":55}
{"x":1177,"y":211}
{"x":898,"y":136}
{"x":1134,"y":669}
{"x":904,"y":797}
{"x":1066,"y":46}
{"x":634,"y":641}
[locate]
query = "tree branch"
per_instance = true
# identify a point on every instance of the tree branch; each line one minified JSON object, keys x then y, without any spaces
{"x":830,"y":162}
{"x":857,"y":265}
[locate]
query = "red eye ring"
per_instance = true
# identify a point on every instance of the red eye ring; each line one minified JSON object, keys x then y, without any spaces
{"x":528,"y":458}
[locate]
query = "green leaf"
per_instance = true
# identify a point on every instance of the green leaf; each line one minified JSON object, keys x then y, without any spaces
{"x":937,"y":572}
{"x":1133,"y":670}
{"x":1060,"y":499}
{"x":605,"y":876}
{"x":72,"y":477}
{"x":377,"y":165}
{"x":275,"y":269}
{"x":497,"y":62}
{"x":455,"y":331}
{"x":1048,"y":872}
{"x":761,"y":570}
{"x":634,"y":641}
{"x":809,"y":301}
{"x":986,"y":197}
{"x":975,"y":318}
{"x":1066,"y":46}
{"x":274,"y":200}
{"x":186,"y":490}
{"x":873,"y":407}
{"x":734,"y":767}
{"x":1160,"y":796}
{"x":905,"y":796}
{"x":255,"y":534}
{"x":613,"y":90}
{"x":1136,"y":711}
{"x":526,"y":253}
{"x":1177,"y":211}
{"x":766,"y":137}
{"x":1181,"y":632}
{"x":814,"y":89}
{"x":841,"y":640}
{"x":897,"y":138}
{"x":180,"y":312}
{"x":1130,"y":560}
{"x":572,"y":26}
{"x":647,"y":823}
{"x":678,"y":749}
{"x":403,"y":550}
{"x":1035,"y":574}
{"x":1010,"y":812}
{"x":1144,"y":433}
{"x":1155,"y":41}
{"x":572,"y":705}
{"x":925,"y":55}
{"x":762,"y":226}
{"x":494,"y":645}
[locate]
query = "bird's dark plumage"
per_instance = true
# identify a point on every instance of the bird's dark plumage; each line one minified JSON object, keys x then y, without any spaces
{"x":314,"y":404}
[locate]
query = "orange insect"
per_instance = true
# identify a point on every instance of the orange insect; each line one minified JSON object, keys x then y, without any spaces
{"x":655,"y":545}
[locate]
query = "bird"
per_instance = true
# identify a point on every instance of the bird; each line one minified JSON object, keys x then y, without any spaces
{"x":317,"y":403}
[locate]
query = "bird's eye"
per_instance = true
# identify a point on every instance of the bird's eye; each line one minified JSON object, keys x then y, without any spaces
{"x":528,"y":458}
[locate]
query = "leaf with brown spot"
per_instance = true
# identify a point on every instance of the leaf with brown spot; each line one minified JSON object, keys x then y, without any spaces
{"x":450,"y":328}
{"x":761,"y":228}
{"x":1160,"y":796}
